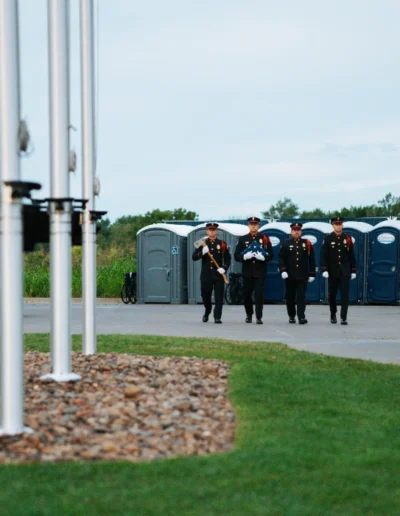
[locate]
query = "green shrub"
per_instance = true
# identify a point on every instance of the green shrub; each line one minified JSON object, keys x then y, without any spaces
{"x":112,"y":264}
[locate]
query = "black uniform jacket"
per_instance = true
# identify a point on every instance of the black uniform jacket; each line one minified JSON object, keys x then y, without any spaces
{"x":253,"y":268}
{"x":221,"y":254}
{"x":337,"y":255}
{"x":297,"y":258}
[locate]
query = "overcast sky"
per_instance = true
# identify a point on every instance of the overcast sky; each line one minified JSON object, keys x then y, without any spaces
{"x":225,"y":106}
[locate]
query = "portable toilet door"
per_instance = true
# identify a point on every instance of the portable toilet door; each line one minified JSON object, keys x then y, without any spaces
{"x":383,"y":263}
{"x":359,"y":232}
{"x":162,"y":263}
{"x":315,"y":232}
{"x":228,"y":232}
{"x":274,"y":288}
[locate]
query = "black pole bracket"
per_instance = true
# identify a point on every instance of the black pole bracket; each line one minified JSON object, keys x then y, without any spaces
{"x":96,"y":215}
{"x":22,"y":189}
{"x":59,"y":202}
{"x":82,"y":202}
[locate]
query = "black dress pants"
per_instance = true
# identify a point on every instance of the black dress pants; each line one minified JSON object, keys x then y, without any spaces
{"x":296,"y":295}
{"x":342,"y":284}
{"x":207,"y":287}
{"x":256,"y":285}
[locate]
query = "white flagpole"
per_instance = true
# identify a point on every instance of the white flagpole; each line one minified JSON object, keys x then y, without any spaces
{"x":60,"y":204}
{"x":12,"y":338}
{"x":88,"y":169}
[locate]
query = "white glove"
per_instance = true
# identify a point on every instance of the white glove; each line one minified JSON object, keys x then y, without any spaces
{"x":221,"y":270}
{"x":325,"y":274}
{"x":353,"y":275}
{"x":248,"y":256}
{"x":284,"y":275}
{"x":259,"y":256}
{"x":311,"y":279}
{"x":205,"y":250}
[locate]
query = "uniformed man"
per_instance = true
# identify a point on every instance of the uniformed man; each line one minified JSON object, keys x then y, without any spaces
{"x":297,"y":266}
{"x":254,"y":268}
{"x":338,"y":264}
{"x":211,"y":276}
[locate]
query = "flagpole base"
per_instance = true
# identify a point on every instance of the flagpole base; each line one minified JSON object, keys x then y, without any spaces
{"x":67,"y":377}
{"x":23,"y":430}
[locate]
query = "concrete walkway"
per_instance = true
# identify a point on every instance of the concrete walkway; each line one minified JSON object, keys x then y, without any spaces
{"x":373,"y":332}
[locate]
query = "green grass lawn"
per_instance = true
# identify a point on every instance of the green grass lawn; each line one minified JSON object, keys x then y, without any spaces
{"x":315,"y":435}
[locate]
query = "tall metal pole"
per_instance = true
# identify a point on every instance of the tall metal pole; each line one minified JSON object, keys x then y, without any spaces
{"x":11,"y":373}
{"x":88,"y":169}
{"x":60,"y":204}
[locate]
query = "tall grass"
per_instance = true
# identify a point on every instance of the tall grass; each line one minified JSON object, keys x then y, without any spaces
{"x":111,"y":265}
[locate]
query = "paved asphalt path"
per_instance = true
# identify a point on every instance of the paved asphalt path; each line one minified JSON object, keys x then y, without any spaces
{"x":373,"y":332}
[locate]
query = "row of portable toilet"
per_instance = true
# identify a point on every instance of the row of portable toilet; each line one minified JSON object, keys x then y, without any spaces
{"x":167,"y":274}
{"x":315,"y":232}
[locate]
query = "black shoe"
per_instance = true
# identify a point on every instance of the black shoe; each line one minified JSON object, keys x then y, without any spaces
{"x":205,"y":318}
{"x":217,"y":321}
{"x":249,"y":319}
{"x":344,"y":322}
{"x":259,"y":321}
{"x":292,"y":320}
{"x":333,"y":319}
{"x":303,"y":321}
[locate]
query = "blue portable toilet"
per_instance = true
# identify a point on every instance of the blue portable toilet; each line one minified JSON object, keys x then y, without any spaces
{"x":359,"y":232}
{"x":226,"y":231}
{"x":274,"y":289}
{"x":383,"y":277}
{"x":315,"y":232}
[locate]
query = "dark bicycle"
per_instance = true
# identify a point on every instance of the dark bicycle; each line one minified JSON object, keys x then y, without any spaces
{"x":128,"y":289}
{"x":234,"y":291}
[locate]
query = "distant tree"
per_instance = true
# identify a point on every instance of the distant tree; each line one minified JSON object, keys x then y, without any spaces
{"x":181,"y":214}
{"x":154,"y":216}
{"x":390,"y":205}
{"x":123,"y":232}
{"x":316,"y":213}
{"x":127,"y":219}
{"x":283,"y":209}
{"x":103,"y":235}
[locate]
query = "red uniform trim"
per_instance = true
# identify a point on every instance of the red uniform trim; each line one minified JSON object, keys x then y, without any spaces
{"x":349,"y":242}
{"x":266,"y":240}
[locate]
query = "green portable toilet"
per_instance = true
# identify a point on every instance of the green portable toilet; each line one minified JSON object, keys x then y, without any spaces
{"x":161,"y":258}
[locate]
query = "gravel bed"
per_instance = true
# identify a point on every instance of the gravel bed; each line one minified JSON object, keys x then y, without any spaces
{"x":125,"y":407}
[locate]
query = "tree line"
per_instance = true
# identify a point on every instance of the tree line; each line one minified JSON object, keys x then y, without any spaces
{"x":285,"y":208}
